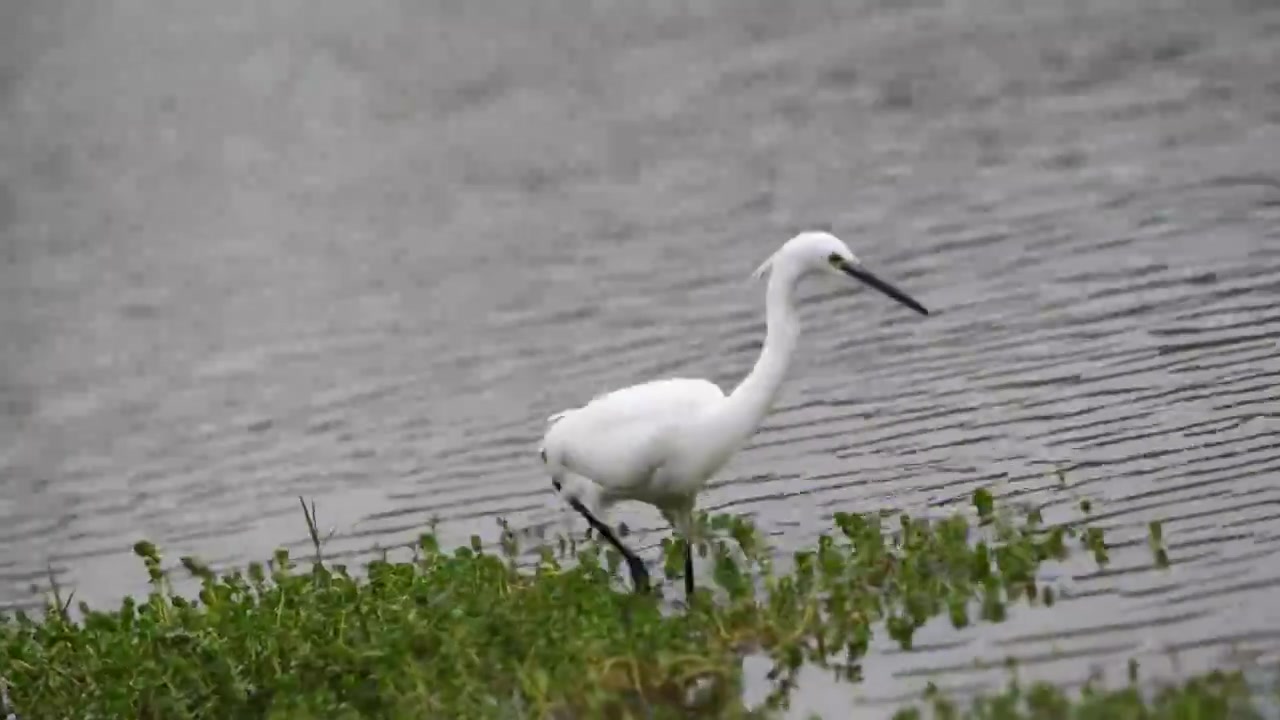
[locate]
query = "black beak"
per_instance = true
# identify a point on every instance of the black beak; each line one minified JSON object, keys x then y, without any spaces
{"x":866,"y":276}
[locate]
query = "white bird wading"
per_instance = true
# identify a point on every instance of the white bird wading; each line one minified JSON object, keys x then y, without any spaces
{"x":659,"y":442}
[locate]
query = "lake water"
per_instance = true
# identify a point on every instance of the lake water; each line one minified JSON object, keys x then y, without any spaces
{"x":359,"y":252}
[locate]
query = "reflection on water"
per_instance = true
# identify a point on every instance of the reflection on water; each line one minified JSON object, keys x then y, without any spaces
{"x":250,"y":254}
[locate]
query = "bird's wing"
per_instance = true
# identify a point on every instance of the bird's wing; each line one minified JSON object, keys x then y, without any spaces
{"x":648,"y":399}
{"x":552,"y":419}
{"x":622,"y":435}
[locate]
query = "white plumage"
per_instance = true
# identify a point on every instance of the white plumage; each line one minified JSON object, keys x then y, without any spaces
{"x":627,"y":443}
{"x":659,"y":442}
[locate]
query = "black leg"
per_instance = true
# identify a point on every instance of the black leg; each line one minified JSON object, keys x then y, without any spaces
{"x":639,"y":575}
{"x":688,"y":570}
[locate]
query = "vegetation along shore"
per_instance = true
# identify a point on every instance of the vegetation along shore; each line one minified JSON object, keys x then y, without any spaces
{"x":478,"y":633}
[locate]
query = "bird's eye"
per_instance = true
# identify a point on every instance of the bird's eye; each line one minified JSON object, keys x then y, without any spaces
{"x":835,"y":259}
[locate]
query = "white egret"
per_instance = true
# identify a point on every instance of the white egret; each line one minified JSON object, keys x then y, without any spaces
{"x":659,"y":442}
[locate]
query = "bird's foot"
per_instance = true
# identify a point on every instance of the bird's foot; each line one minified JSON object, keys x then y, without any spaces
{"x":688,"y":572}
{"x":639,"y":575}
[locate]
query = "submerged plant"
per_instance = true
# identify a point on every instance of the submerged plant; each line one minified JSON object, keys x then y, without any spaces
{"x":1214,"y":696}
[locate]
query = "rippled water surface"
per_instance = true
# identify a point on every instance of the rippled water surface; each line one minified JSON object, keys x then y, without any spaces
{"x":359,"y":252}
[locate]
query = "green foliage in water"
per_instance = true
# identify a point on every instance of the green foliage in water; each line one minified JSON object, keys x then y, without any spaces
{"x":1215,"y":696}
{"x":470,"y":633}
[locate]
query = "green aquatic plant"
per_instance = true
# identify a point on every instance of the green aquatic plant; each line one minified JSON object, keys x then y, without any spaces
{"x":1155,"y":541}
{"x":1214,"y":696}
{"x":544,"y":631}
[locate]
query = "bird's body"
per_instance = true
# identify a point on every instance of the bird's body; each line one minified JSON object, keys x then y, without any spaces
{"x":638,"y":443}
{"x":659,"y":442}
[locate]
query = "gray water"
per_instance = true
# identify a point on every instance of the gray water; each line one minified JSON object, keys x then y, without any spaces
{"x":360,"y":251}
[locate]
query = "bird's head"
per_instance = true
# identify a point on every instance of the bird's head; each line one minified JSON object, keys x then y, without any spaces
{"x":822,"y":252}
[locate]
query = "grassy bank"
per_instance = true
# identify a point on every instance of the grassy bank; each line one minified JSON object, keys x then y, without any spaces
{"x":467,"y":633}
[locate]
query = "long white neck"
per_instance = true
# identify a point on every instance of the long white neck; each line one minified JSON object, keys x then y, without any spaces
{"x":745,"y":408}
